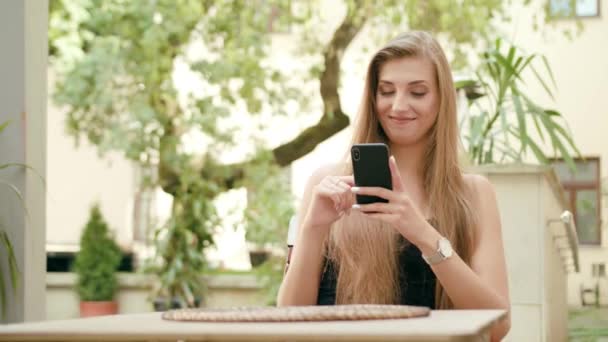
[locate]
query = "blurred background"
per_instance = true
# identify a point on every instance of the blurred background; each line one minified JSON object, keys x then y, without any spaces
{"x":154,"y":152}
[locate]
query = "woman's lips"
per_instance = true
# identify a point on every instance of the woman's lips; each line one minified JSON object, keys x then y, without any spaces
{"x":401,"y":120}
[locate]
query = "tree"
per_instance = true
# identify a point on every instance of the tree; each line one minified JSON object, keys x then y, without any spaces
{"x":115,"y":62}
{"x":97,"y":261}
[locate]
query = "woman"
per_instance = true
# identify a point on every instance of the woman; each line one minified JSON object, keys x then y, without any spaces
{"x":400,"y":252}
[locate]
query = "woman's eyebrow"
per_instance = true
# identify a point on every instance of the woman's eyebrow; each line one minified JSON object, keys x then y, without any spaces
{"x":409,"y":83}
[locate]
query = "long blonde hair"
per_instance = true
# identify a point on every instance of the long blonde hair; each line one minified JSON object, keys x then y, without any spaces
{"x":366,"y":252}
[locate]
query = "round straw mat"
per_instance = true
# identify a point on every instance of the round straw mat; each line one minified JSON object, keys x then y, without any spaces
{"x":297,"y":313}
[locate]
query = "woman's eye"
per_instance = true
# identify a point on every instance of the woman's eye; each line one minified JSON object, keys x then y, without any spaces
{"x":416,"y":94}
{"x":386,"y":93}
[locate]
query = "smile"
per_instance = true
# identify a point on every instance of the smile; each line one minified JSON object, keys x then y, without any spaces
{"x":401,"y":120}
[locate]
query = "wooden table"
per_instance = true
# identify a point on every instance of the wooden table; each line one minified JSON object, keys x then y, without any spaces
{"x":448,"y":325}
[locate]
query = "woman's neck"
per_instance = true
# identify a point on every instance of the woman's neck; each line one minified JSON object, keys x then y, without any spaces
{"x":410,"y":161}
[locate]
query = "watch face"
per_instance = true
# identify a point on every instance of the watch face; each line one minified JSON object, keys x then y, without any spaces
{"x":445,"y":247}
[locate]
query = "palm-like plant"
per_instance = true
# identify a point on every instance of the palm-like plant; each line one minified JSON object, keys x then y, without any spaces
{"x":5,"y":243}
{"x":497,"y":124}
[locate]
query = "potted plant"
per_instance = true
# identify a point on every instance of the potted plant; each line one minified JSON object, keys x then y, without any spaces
{"x":96,"y":265}
{"x":502,"y":124}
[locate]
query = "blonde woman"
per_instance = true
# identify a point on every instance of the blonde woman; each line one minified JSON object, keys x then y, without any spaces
{"x":437,"y":242}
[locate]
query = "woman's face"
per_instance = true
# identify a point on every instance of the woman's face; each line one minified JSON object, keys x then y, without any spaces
{"x":407,"y":100}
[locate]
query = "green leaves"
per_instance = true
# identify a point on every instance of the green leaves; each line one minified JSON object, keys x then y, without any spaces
{"x":507,"y":112}
{"x":269,"y":204}
{"x":97,"y":261}
{"x":180,"y":244}
{"x":5,"y":243}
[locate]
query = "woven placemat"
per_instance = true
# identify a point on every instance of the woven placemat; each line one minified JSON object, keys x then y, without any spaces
{"x":297,"y":313}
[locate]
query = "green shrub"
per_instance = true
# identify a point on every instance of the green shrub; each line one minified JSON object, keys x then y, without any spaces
{"x":97,"y":261}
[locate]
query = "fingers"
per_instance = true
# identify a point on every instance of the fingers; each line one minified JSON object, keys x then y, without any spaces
{"x":384,"y":208}
{"x":395,"y":175}
{"x":343,"y":186}
{"x":338,"y":190}
{"x":375,"y":191}
{"x":346,"y":196}
{"x":349,"y":180}
{"x":336,"y":196}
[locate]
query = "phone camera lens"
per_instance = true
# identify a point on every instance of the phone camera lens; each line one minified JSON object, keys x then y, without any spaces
{"x":356,"y":154}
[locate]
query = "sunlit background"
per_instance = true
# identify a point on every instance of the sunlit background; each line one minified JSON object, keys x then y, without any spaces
{"x":186,"y":122}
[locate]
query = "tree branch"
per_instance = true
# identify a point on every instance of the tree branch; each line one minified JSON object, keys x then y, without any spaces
{"x":331,"y":122}
{"x":333,"y":119}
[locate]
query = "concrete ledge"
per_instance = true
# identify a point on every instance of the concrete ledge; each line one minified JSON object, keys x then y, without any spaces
{"x":134,"y":293}
{"x":141,"y":281}
{"x":525,"y":169}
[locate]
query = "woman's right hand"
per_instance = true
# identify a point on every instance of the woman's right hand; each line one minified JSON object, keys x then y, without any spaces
{"x":331,"y":199}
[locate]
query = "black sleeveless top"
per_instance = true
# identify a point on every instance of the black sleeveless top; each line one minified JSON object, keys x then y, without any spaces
{"x":416,"y":279}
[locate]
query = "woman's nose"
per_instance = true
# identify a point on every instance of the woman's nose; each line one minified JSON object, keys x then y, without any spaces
{"x":400,"y":103}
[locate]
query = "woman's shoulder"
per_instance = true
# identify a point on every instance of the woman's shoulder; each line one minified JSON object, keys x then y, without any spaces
{"x":480,"y":186}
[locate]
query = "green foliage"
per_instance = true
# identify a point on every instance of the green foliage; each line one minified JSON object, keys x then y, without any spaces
{"x":5,"y":243}
{"x":117,"y":76}
{"x":115,"y":62}
{"x":97,"y":261}
{"x":587,"y":324}
{"x":269,"y":204}
{"x":499,"y":124}
{"x":180,"y":244}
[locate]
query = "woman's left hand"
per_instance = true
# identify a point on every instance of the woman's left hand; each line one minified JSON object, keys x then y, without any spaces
{"x":400,"y":211}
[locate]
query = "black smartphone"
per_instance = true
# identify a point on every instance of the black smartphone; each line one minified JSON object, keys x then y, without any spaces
{"x":370,"y":168}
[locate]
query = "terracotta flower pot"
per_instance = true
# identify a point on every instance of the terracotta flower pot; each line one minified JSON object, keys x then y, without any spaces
{"x":88,"y":309}
{"x":258,"y":257}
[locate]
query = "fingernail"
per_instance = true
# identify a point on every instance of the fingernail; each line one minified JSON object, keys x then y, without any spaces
{"x":356,"y":206}
{"x":393,"y":158}
{"x":354,"y":189}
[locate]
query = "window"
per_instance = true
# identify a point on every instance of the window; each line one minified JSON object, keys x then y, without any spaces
{"x":582,"y":190}
{"x":574,"y":8}
{"x":598,"y":270}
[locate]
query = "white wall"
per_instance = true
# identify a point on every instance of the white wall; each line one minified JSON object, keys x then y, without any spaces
{"x":528,"y":199}
{"x":77,"y":177}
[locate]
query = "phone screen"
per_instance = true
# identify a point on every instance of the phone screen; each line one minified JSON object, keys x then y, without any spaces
{"x":370,"y":168}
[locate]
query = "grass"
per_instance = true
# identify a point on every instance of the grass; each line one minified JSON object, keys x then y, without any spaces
{"x":588,"y":324}
{"x":217,"y":271}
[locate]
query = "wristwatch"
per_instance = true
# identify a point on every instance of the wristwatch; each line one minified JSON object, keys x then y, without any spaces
{"x":444,"y":251}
